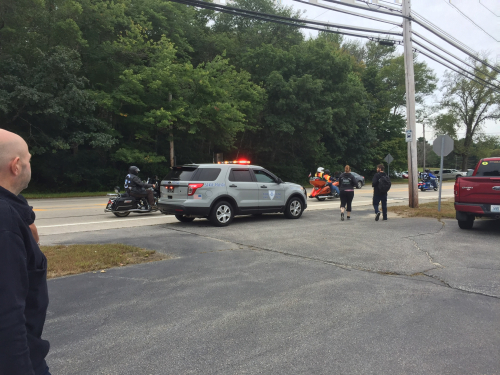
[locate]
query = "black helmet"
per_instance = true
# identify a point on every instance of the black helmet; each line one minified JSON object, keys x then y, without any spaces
{"x":427,"y":170}
{"x":327,"y":171}
{"x":134,"y":170}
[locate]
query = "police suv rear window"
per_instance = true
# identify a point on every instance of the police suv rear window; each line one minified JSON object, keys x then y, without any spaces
{"x":489,"y":169}
{"x":206,"y":174}
{"x":242,"y":175}
{"x":181,"y":174}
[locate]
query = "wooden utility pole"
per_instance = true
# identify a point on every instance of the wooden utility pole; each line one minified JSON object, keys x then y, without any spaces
{"x":410,"y":107}
{"x":172,"y":159}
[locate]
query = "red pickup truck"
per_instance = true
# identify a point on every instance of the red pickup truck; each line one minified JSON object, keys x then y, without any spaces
{"x":479,"y":194}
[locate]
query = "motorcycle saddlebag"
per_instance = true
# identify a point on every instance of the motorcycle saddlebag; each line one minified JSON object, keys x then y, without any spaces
{"x":125,"y":204}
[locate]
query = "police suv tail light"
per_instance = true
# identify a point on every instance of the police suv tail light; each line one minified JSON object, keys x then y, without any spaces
{"x":192,"y":188}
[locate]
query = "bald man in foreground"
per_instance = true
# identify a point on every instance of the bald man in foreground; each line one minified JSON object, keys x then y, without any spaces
{"x":23,"y":269}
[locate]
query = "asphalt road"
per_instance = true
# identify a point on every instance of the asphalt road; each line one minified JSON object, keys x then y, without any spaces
{"x":56,"y":216}
{"x":269,"y":295}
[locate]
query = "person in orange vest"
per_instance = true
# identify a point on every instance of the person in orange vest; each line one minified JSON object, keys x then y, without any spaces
{"x":330,"y":182}
{"x":319,"y":172}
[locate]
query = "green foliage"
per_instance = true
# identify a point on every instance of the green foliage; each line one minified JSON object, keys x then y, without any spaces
{"x":95,"y":86}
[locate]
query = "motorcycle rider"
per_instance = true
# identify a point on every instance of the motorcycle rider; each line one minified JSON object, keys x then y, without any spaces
{"x":329,"y":182}
{"x":429,"y":176}
{"x":138,"y":189}
{"x":319,"y":172}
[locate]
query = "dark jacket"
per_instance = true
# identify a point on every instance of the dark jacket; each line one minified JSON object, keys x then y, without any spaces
{"x":377,"y":176}
{"x":135,"y":185}
{"x":347,"y":182}
{"x":23,"y":292}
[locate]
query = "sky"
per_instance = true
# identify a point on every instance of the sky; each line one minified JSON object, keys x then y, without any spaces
{"x":444,"y":14}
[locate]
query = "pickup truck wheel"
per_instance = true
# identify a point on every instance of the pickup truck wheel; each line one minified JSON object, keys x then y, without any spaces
{"x":294,"y":208}
{"x":184,"y":218}
{"x":466,"y":224}
{"x":222,"y":214}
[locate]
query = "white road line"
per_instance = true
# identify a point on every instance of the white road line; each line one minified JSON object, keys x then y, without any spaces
{"x":317,"y":206}
{"x":101,"y":222}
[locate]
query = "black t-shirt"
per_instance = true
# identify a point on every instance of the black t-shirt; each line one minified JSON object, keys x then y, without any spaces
{"x":346,"y":181}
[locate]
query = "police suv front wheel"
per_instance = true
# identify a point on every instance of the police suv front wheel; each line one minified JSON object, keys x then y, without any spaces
{"x":222,"y":214}
{"x":294,"y":208}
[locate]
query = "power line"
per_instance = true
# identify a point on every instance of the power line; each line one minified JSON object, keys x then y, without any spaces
{"x":452,"y":55}
{"x":449,"y":41}
{"x":463,"y":14}
{"x":447,"y":66}
{"x":496,"y":15}
{"x":295,"y":22}
{"x":485,"y":83}
{"x":367,"y":16}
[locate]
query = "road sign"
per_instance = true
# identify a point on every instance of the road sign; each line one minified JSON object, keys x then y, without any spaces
{"x":409,"y":136}
{"x":443,"y":145}
{"x":389,"y":158}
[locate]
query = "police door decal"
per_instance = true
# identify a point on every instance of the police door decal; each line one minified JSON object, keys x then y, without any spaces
{"x":271,"y":194}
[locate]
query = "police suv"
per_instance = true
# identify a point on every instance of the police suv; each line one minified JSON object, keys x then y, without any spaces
{"x":221,"y":191}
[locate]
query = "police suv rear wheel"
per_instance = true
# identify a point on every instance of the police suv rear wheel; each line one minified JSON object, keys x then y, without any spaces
{"x":184,"y":218}
{"x":294,"y":208}
{"x":222,"y":214}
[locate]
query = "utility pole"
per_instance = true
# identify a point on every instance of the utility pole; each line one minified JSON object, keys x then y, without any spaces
{"x":410,"y":107}
{"x":423,"y":125}
{"x":172,"y":158}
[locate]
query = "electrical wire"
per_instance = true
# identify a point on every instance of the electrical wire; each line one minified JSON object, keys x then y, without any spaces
{"x":449,"y":67}
{"x":430,"y":24}
{"x":456,"y":65}
{"x":394,"y":11}
{"x":329,"y":7}
{"x":450,"y":54}
{"x":484,"y":62}
{"x":464,"y":15}
{"x":496,"y":15}
{"x":295,"y":22}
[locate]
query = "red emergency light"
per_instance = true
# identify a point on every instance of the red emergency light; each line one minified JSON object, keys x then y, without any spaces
{"x":234,"y":162}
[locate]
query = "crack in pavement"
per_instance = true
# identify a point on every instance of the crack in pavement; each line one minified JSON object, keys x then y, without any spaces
{"x":429,"y":257}
{"x":362,"y":269}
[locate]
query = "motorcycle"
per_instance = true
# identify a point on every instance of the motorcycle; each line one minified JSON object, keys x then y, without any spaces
{"x":424,"y":185}
{"x":321,"y":190}
{"x":122,"y":204}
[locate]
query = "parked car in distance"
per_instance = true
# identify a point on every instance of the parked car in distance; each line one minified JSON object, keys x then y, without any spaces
{"x":450,"y":174}
{"x":404,"y":174}
{"x":360,"y":180}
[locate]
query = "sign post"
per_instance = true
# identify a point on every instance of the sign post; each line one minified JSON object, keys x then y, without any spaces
{"x":442,"y":146}
{"x":389,"y":160}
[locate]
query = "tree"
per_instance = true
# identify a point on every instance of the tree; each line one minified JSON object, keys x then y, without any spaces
{"x":468,"y":104}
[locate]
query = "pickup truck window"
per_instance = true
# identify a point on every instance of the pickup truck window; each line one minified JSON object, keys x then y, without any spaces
{"x":489,"y":169}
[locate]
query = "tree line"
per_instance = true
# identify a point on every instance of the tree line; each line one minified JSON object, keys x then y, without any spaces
{"x":95,"y":86}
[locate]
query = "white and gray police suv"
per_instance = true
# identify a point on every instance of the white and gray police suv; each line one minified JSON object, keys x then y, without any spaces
{"x":221,"y":191}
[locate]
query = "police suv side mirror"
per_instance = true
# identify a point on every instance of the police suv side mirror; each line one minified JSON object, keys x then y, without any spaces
{"x":279,"y":180}
{"x":117,"y":189}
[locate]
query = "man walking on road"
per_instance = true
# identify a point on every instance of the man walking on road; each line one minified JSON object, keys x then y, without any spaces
{"x":23,"y":269}
{"x":381,"y":185}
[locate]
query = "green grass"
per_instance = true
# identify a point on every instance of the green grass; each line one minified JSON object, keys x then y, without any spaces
{"x":65,"y":195}
{"x":65,"y":260}
{"x":427,"y":210}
